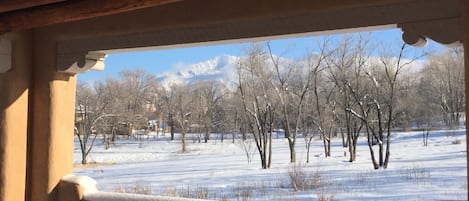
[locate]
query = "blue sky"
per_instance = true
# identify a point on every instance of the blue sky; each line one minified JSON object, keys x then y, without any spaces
{"x":158,"y":61}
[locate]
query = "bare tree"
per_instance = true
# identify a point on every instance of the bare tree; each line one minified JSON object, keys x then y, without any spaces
{"x":345,"y":71}
{"x":425,"y":111}
{"x":323,"y":96}
{"x":444,"y":79}
{"x":90,"y":108}
{"x":113,"y":125}
{"x":233,"y":109}
{"x":166,"y":106}
{"x":393,"y":65}
{"x":139,"y":89}
{"x":182,"y":110}
{"x":256,"y":94}
{"x":377,"y":105}
{"x":247,"y":146}
{"x":281,"y":81}
{"x":308,"y":127}
{"x":208,"y":95}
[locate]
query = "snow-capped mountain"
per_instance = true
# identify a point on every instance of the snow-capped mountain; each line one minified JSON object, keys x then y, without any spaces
{"x":221,"y":68}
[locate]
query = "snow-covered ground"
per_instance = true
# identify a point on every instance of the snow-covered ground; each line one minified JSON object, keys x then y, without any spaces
{"x":220,"y":170}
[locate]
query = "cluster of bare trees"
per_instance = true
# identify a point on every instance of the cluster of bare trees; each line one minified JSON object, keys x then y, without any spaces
{"x":343,"y":89}
{"x":113,"y":107}
{"x":329,"y":91}
{"x":196,"y":108}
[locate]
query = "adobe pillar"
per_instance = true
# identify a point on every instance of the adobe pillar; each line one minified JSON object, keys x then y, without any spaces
{"x":50,"y":137}
{"x":15,"y":78}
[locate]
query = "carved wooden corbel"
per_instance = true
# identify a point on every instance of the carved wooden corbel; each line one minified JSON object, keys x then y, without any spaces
{"x":443,"y":31}
{"x":89,"y":61}
{"x":5,"y":55}
{"x":414,"y":39}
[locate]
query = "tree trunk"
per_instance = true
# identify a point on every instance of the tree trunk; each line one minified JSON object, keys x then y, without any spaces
{"x":263,"y":161}
{"x":83,"y":157}
{"x":344,"y":142}
{"x":172,"y":132}
{"x":327,"y":142}
{"x":235,"y":130}
{"x":207,"y":134}
{"x":351,"y":147}
{"x":270,"y":149}
{"x":83,"y":138}
{"x":353,"y":156}
{"x":243,"y":130}
{"x":291,"y":144}
{"x":350,"y":138}
{"x":354,"y":145}
{"x":183,"y":140}
{"x":260,"y":144}
{"x":171,"y":124}
{"x":328,"y":154}
{"x":324,"y":141}
{"x":264,"y":147}
{"x":381,"y":150}
{"x":372,"y":153}
{"x":388,"y":152}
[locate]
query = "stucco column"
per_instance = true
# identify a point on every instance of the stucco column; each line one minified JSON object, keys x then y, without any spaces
{"x":14,"y":89}
{"x":50,"y":153}
{"x":465,"y":40}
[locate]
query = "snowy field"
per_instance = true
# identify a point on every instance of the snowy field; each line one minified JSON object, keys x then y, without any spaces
{"x":220,"y":171}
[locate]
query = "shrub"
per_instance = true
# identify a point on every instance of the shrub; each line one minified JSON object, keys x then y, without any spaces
{"x":136,"y":188}
{"x":414,"y":173}
{"x":187,"y":192}
{"x":323,"y":196}
{"x":243,"y":193}
{"x":302,"y":180}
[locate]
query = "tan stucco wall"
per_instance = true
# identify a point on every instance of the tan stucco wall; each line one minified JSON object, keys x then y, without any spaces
{"x":51,"y":136}
{"x":14,"y":89}
{"x":36,"y":120}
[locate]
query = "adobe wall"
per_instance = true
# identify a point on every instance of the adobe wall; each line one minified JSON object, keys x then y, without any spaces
{"x":52,"y":121}
{"x":14,"y":91}
{"x":36,"y":119}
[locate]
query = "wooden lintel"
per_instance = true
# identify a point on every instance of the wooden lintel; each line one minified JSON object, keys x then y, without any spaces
{"x":68,"y":11}
{"x":12,"y":5}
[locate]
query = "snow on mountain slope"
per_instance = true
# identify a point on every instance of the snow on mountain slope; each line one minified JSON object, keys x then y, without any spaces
{"x":221,"y":68}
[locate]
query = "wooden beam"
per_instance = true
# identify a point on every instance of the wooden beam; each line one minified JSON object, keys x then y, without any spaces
{"x":12,"y":5}
{"x":68,"y":11}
